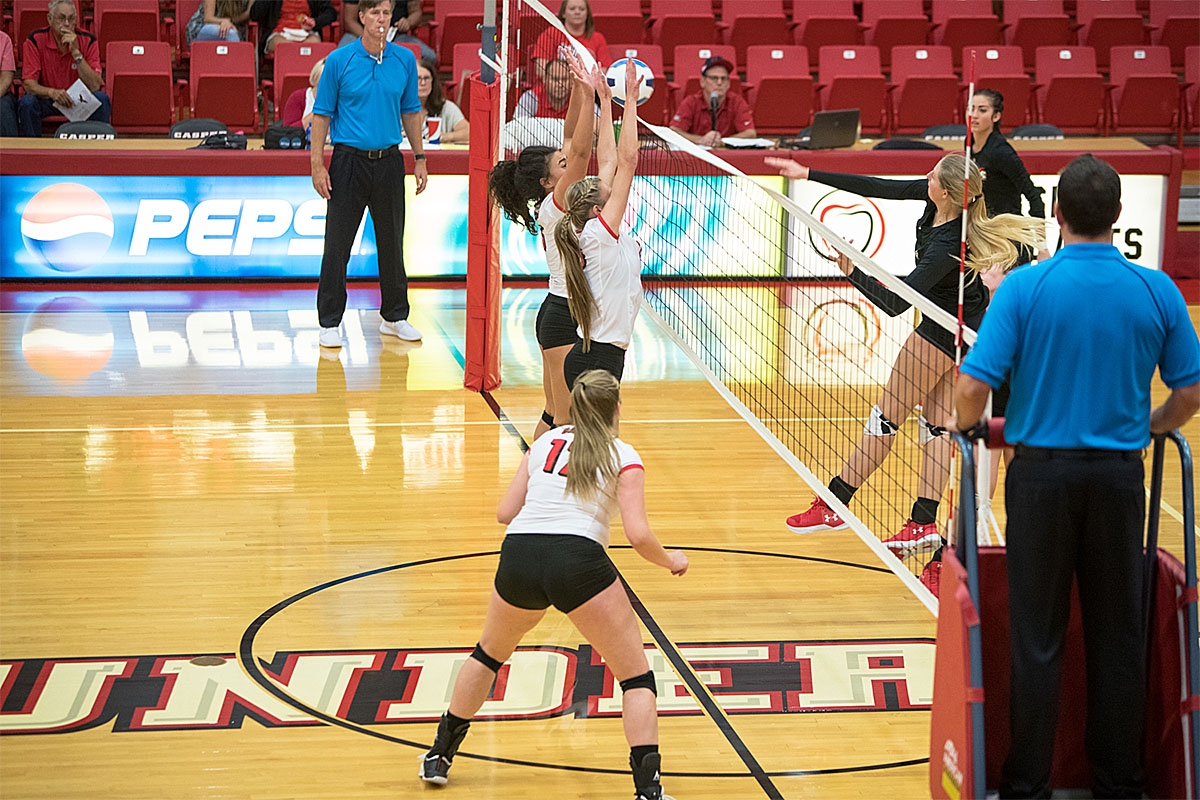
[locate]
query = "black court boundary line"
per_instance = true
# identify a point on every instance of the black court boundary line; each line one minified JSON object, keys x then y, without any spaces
{"x":700,"y":693}
{"x":251,"y":667}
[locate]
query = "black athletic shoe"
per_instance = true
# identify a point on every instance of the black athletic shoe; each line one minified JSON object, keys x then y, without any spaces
{"x":646,"y":778}
{"x":435,"y":764}
{"x":435,"y":768}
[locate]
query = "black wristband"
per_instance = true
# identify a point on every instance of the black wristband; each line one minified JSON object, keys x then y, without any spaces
{"x":418,"y":156}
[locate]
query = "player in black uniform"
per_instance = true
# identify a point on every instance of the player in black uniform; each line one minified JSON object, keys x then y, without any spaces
{"x":924,"y":371}
{"x":1005,"y":182}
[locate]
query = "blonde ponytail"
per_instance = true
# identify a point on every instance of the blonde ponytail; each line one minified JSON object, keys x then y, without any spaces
{"x":582,"y":197}
{"x":592,"y":463}
{"x":990,"y":241}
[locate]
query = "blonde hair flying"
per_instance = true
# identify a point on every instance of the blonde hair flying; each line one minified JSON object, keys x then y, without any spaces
{"x":592,"y":462}
{"x":582,"y":196}
{"x":990,"y":241}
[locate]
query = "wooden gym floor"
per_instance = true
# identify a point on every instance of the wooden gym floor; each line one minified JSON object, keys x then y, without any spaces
{"x":230,"y":567}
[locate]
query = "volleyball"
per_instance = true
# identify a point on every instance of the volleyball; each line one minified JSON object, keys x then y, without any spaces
{"x":616,"y":80}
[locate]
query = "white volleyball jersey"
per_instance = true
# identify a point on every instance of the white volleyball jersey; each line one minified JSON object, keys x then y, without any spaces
{"x":548,"y":215}
{"x":613,"y":266}
{"x":549,"y":509}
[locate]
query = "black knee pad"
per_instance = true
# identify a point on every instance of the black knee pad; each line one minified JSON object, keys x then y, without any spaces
{"x":485,"y":659}
{"x":548,"y":418}
{"x":643,"y":681}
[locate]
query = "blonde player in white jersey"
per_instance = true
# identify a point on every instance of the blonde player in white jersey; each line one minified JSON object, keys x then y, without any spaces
{"x":540,"y":176}
{"x":558,"y":507}
{"x":603,"y":266}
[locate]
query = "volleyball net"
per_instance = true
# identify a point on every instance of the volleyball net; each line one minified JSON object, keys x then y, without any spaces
{"x":741,"y":270}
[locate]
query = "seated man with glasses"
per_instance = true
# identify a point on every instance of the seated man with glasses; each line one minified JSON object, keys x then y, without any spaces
{"x":54,"y":58}
{"x":713,"y":113}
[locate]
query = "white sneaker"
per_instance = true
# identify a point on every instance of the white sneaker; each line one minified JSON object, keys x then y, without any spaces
{"x":331,"y":337}
{"x":401,"y":329}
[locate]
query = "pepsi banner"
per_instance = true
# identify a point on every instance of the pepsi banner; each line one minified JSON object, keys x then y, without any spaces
{"x":89,"y":227}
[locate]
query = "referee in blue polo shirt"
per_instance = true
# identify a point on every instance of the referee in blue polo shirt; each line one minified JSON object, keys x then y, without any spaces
{"x":1079,"y":336}
{"x":366,"y":91}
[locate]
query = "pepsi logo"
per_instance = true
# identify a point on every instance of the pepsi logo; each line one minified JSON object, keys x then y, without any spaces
{"x":67,"y":339}
{"x":68,"y":227}
{"x":856,"y":219}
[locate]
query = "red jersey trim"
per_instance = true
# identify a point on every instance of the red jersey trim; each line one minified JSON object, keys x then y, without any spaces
{"x":616,"y":236}
{"x":632,"y":466}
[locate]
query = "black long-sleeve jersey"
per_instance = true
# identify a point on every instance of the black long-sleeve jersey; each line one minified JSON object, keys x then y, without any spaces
{"x":936,"y":272}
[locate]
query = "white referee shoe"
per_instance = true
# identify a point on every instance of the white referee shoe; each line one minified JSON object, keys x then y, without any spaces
{"x":331,"y":337}
{"x":401,"y":329}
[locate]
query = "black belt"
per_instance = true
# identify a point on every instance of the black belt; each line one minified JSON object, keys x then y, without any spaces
{"x":1047,"y":453}
{"x":372,"y":155}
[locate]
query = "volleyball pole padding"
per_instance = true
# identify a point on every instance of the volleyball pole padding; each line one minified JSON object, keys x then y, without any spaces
{"x":481,"y":368}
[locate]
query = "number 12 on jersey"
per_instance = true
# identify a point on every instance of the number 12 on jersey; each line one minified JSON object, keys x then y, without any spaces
{"x":558,"y":449}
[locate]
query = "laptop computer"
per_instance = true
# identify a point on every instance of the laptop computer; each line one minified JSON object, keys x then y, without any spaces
{"x":830,"y":129}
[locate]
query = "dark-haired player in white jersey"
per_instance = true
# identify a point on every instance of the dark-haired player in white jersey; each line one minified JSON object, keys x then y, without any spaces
{"x":539,"y":176}
{"x":602,"y":265}
{"x":569,"y":485}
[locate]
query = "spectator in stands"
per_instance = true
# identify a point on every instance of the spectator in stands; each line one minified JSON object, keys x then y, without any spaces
{"x":406,"y":18}
{"x":712,"y":113}
{"x":576,"y":17}
{"x":219,"y":21}
{"x":298,"y":110}
{"x":548,"y":97}
{"x":55,"y":57}
{"x":8,"y":99}
{"x":291,"y":21}
{"x":444,"y":120}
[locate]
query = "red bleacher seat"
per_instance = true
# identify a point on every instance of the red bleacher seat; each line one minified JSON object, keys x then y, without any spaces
{"x":676,"y":22}
{"x":1105,"y":24}
{"x":891,"y":23}
{"x":960,"y":23}
{"x":141,"y":85}
{"x":753,"y":22}
{"x":1144,"y":92}
{"x":819,"y":23}
{"x":184,"y":9}
{"x":1030,"y":24}
{"x":1173,"y":24}
{"x":779,"y":88}
{"x":619,"y":20}
{"x":455,"y":21}
{"x":222,"y":84}
{"x":850,"y":77}
{"x":655,"y":109}
{"x":1191,"y":88}
{"x":1069,"y":92}
{"x":1003,"y":69}
{"x":464,"y":64}
{"x":126,"y":21}
{"x":924,"y":88}
{"x":689,"y":59}
{"x":293,"y":63}
{"x":28,"y":16}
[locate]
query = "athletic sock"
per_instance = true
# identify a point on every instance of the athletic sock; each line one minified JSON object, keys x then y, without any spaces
{"x":924,"y":511}
{"x":842,"y":490}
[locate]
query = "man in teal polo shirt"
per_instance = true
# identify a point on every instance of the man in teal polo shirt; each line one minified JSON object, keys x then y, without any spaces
{"x":367,"y":91}
{"x":1079,"y":336}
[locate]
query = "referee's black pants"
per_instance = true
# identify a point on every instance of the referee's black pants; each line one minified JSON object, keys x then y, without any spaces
{"x":359,"y":183}
{"x":1076,"y":513}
